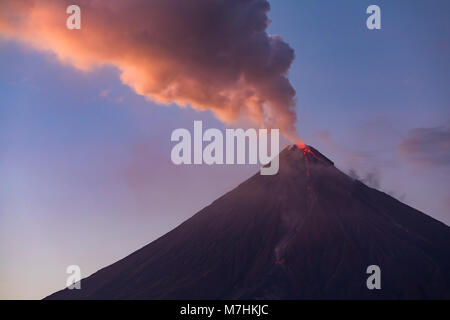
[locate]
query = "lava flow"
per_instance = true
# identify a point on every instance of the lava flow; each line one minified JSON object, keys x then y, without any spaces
{"x":301,"y":145}
{"x":307,"y":152}
{"x":311,"y":152}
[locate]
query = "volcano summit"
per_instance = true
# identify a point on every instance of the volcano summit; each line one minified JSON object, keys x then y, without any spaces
{"x":309,"y":232}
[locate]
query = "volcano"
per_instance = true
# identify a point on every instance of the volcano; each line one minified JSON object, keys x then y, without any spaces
{"x":309,"y":232}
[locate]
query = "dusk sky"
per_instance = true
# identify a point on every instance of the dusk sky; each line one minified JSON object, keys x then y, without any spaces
{"x":85,"y":171}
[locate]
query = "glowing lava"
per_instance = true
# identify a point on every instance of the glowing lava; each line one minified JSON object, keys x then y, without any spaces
{"x":301,"y":145}
{"x":307,"y":151}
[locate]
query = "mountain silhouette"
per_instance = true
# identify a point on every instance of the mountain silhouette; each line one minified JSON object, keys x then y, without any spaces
{"x":309,"y":232}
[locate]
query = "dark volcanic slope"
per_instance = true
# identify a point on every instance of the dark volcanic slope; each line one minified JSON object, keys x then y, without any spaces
{"x":308,"y":232}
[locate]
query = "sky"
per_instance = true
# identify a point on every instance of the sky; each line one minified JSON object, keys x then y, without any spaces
{"x":85,"y":171}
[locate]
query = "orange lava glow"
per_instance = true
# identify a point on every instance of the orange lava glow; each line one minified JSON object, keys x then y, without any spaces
{"x":307,"y":151}
{"x":301,"y":145}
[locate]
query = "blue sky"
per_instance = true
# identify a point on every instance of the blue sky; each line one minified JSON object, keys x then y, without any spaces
{"x":86,"y":176}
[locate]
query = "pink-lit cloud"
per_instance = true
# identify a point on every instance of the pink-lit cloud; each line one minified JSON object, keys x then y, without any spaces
{"x":208,"y":54}
{"x":426,"y":147}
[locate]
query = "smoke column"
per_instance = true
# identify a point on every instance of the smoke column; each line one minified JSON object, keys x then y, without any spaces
{"x":207,"y":54}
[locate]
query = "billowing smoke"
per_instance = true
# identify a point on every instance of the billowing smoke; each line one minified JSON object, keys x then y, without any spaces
{"x":208,"y":54}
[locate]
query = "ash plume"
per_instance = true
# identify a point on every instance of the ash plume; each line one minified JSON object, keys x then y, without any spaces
{"x":207,"y":54}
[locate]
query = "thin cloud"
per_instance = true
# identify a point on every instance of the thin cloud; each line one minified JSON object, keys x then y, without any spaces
{"x":104,"y":93}
{"x":427,"y":147}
